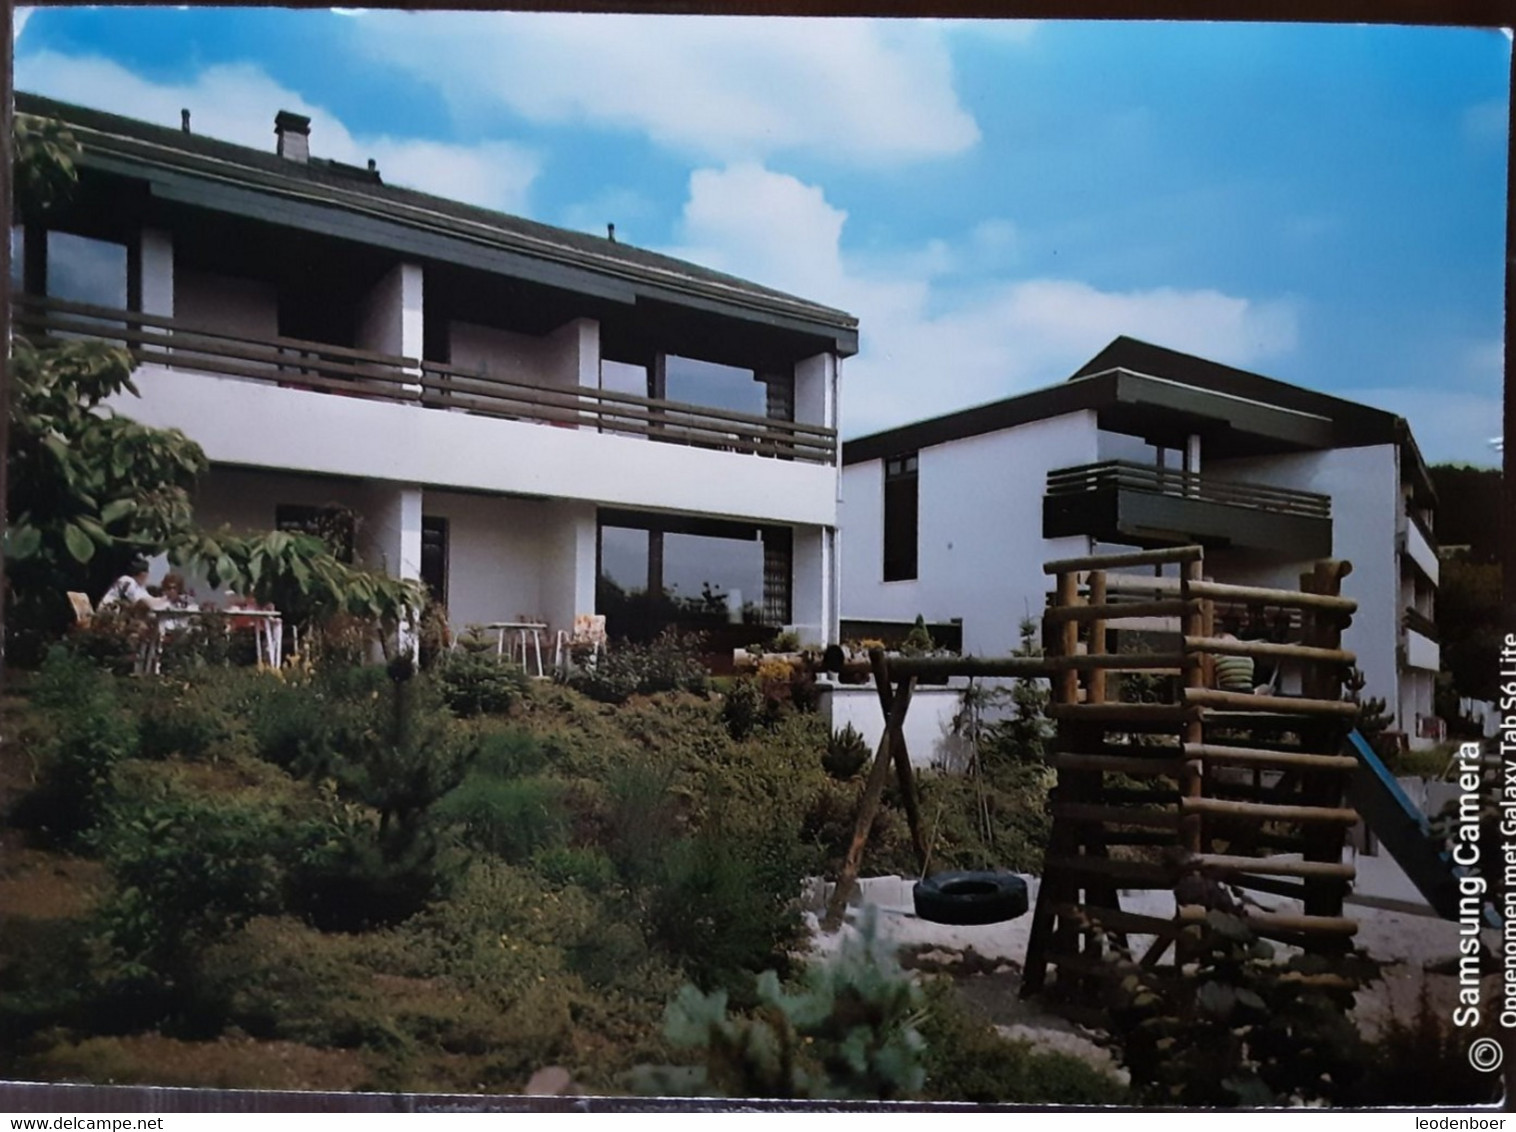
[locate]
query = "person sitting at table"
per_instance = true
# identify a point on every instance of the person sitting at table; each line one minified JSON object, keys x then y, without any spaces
{"x":174,"y":593}
{"x":131,"y":588}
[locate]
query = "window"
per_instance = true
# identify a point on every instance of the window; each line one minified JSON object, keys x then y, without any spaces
{"x":85,"y":270}
{"x":900,"y":518}
{"x":434,"y":557}
{"x":333,"y":525}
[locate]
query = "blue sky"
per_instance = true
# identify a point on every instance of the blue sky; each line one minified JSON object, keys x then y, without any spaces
{"x":994,"y":201}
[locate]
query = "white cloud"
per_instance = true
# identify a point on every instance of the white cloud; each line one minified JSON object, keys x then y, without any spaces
{"x":1486,"y":121}
{"x":237,"y":103}
{"x":726,"y":88}
{"x":992,"y":340}
{"x":18,"y":22}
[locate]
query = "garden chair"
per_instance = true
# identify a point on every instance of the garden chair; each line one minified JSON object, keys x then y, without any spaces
{"x":84,"y":612}
{"x":589,"y":633}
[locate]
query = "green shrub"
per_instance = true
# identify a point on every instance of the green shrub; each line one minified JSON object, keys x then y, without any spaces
{"x":587,"y":867}
{"x":347,"y":876}
{"x":292,"y":726}
{"x":743,"y":709}
{"x":85,"y":734}
{"x":726,"y":907}
{"x":1423,"y":1062}
{"x":668,"y":663}
{"x":509,"y":753}
{"x":511,"y":818}
{"x":476,"y":681}
{"x":187,"y":871}
{"x":178,"y":718}
{"x":845,"y":755}
{"x":203,"y":641}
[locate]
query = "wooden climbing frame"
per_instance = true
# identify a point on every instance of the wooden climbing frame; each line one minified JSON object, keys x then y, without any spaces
{"x":1191,"y":788}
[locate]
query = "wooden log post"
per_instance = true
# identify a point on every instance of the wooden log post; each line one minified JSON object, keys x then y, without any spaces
{"x":873,"y":790}
{"x":1192,"y":784}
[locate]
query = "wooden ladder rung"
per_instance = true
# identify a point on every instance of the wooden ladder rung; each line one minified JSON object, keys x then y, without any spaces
{"x":1120,"y":661}
{"x":1293,"y":599}
{"x":1231,"y":646}
{"x":1264,"y":811}
{"x":1258,"y":756}
{"x":1273,"y":705}
{"x":1267,"y":923}
{"x":1276,"y":866}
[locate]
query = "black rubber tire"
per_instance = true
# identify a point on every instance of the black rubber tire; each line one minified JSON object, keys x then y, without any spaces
{"x":970,"y":898}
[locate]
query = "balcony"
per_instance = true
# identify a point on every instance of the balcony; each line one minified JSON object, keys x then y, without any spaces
{"x":1418,"y":546}
{"x":342,"y":371}
{"x":1419,"y":643}
{"x":1147,"y":506}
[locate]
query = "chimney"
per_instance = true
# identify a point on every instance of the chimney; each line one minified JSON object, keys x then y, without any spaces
{"x":294,"y":134}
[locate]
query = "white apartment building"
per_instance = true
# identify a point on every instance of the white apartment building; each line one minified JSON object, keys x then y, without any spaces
{"x":952,"y":518}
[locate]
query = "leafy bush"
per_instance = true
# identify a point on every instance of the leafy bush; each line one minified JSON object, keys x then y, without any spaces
{"x":86,"y":734}
{"x":668,"y":663}
{"x":188,"y":870}
{"x":1235,"y":1026}
{"x":476,"y":681}
{"x":176,"y":718}
{"x":850,"y":1031}
{"x":846,"y":753}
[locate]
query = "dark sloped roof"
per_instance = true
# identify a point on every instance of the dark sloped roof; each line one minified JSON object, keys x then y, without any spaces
{"x":1106,"y":383}
{"x":112,"y":136}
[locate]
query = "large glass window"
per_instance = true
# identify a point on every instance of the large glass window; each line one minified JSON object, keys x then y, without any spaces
{"x":696,"y":575}
{"x":900,"y":518}
{"x":81,"y":269}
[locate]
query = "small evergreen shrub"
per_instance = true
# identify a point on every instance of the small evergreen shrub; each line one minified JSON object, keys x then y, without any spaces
{"x":475,"y":681}
{"x":742,"y":709}
{"x":845,"y":755}
{"x":585,"y":866}
{"x":178,"y":718}
{"x":850,"y":1031}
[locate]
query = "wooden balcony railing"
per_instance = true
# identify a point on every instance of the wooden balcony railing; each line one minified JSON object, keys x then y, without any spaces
{"x":1113,"y":475}
{"x":364,"y":373}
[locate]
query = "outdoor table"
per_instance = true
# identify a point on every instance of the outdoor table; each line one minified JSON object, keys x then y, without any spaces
{"x":521,"y":629}
{"x":267,"y":626}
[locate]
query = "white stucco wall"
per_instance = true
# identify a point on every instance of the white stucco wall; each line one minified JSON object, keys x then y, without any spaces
{"x":981,"y":549}
{"x":500,"y":353}
{"x":929,"y":737}
{"x":495,"y":555}
{"x":389,"y":317}
{"x":567,"y":586}
{"x":157,"y":267}
{"x":810,"y":590}
{"x":261,"y":425}
{"x":1364,"y":486}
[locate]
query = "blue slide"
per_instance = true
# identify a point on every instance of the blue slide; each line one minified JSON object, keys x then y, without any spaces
{"x":1403,"y":829}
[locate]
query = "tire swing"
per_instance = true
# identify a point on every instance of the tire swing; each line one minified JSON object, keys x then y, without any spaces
{"x":966,"y":897}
